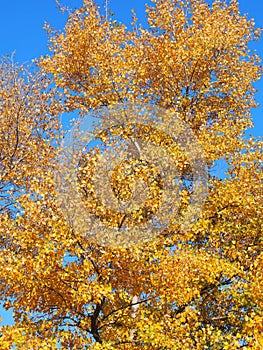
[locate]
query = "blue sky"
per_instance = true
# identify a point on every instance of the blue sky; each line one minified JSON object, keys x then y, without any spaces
{"x":21,"y":30}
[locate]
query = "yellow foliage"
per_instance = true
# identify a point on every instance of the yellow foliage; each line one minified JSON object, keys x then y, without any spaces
{"x":200,"y":289}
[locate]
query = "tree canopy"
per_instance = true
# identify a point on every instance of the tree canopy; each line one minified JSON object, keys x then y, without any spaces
{"x":198,"y":287}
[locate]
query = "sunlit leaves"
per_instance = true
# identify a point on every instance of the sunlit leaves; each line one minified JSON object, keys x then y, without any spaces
{"x":200,"y":289}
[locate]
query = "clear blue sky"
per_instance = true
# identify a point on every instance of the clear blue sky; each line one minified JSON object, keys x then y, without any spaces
{"x":21,"y":30}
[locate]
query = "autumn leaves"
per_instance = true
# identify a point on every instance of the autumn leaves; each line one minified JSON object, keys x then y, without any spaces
{"x":169,"y":101}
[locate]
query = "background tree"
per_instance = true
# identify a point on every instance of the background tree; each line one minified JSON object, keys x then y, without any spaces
{"x":200,"y":289}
